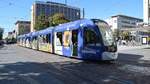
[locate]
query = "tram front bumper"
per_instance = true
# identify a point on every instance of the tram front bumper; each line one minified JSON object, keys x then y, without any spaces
{"x":109,"y":55}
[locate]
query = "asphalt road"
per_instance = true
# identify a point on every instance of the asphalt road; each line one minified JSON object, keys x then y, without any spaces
{"x":20,"y":65}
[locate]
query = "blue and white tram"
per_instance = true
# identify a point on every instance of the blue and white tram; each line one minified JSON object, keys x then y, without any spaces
{"x":82,"y":39}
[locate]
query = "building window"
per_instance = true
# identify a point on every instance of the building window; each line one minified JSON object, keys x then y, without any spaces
{"x":115,"y":21}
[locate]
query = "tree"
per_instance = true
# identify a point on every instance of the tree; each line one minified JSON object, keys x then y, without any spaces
{"x":1,"y":33}
{"x":21,"y":30}
{"x":57,"y":19}
{"x":42,"y":22}
{"x":116,"y":33}
{"x":125,"y":35}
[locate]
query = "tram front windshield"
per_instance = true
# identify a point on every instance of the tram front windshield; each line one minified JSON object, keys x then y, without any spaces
{"x":106,"y":33}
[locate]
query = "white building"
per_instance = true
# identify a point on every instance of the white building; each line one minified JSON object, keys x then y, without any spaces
{"x":146,"y":11}
{"x":123,"y":21}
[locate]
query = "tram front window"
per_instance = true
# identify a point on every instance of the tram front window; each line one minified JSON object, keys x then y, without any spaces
{"x":107,"y":34}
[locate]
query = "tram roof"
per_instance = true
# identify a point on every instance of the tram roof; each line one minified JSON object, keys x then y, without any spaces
{"x":74,"y":25}
{"x":67,"y":26}
{"x":45,"y":31}
{"x":35,"y":33}
{"x":20,"y":36}
{"x":28,"y":35}
{"x":23,"y":36}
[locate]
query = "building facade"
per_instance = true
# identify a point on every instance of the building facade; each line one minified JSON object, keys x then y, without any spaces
{"x":50,"y":8}
{"x":11,"y":35}
{"x":146,"y":11}
{"x":123,"y":21}
{"x":22,"y":27}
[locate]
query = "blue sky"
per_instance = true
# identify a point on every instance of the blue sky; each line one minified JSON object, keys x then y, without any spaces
{"x":13,"y":10}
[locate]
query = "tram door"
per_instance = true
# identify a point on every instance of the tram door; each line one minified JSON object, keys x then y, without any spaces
{"x":75,"y":42}
{"x":70,"y":43}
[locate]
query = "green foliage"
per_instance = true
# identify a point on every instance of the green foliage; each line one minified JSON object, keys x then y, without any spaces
{"x":1,"y":36}
{"x":125,"y":35}
{"x":57,"y":19}
{"x":21,"y":30}
{"x":1,"y":33}
{"x":14,"y":39}
{"x":116,"y":33}
{"x":11,"y":40}
{"x":42,"y":22}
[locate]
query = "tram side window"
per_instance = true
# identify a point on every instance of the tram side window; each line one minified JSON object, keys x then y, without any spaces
{"x":48,"y":40}
{"x":34,"y":38}
{"x":44,"y":39}
{"x":40,"y":39}
{"x":90,"y":38}
{"x":59,"y":38}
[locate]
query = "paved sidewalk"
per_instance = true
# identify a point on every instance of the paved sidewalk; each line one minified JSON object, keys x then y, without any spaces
{"x":120,"y":48}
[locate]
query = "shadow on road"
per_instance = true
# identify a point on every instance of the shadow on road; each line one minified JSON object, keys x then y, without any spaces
{"x":66,"y":73}
{"x":129,"y":57}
